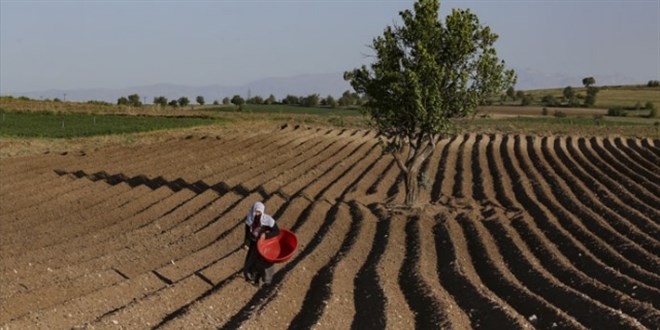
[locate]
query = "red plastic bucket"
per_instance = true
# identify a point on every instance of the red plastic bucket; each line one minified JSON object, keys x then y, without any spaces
{"x":279,"y":248}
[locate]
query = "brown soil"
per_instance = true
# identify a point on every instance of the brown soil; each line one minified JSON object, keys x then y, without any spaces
{"x":512,"y":232}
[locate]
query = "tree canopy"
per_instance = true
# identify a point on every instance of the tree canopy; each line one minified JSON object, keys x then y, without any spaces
{"x":426,"y":74}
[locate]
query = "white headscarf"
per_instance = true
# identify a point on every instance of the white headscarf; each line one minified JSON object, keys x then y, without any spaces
{"x":266,"y":220}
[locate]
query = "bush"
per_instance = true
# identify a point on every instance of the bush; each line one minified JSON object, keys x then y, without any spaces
{"x":545,"y":111}
{"x":653,"y":83}
{"x":560,"y":114}
{"x":649,"y":105}
{"x":549,"y":101}
{"x":653,"y":113}
{"x":616,"y":112}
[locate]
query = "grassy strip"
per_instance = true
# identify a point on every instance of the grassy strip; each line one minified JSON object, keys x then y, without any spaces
{"x":59,"y":125}
{"x":286,"y":109}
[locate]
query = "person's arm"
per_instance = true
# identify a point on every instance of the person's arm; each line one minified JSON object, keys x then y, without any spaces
{"x":270,"y":232}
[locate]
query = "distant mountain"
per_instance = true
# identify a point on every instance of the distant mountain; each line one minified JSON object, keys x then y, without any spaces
{"x":302,"y":85}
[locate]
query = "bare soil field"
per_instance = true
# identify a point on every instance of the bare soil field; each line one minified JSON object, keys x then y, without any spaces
{"x":513,"y":232}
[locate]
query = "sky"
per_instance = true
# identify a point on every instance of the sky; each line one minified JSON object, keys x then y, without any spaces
{"x":119,"y":43}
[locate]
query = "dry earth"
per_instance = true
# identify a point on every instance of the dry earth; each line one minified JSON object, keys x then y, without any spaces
{"x":514,"y":232}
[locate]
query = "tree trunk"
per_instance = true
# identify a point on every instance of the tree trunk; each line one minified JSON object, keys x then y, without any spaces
{"x":411,"y":169}
{"x":412,"y":187}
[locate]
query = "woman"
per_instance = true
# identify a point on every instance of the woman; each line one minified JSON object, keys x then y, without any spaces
{"x":258,"y":226}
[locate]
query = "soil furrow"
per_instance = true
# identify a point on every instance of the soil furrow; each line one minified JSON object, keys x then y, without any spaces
{"x":641,"y":190}
{"x":570,"y":223}
{"x":493,"y":271}
{"x":613,"y":210}
{"x":571,"y":247}
{"x":630,"y":207}
{"x":560,"y":198}
{"x":636,"y":158}
{"x":455,"y":271}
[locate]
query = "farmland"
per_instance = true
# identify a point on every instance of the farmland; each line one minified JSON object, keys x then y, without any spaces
{"x":514,"y":231}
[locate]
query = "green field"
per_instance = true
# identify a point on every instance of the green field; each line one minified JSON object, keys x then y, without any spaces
{"x":609,"y":96}
{"x":286,"y":109}
{"x":59,"y":125}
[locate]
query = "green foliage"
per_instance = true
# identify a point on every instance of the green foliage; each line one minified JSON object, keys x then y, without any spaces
{"x":590,"y":99}
{"x":526,"y":100}
{"x":122,"y":101}
{"x":588,"y":81}
{"x":160,"y":100}
{"x":200,"y":100}
{"x":237,"y":100}
{"x":560,"y":114}
{"x":49,"y":125}
{"x":290,"y":99}
{"x":173,"y":103}
{"x":616,"y":112}
{"x":544,"y":111}
{"x":183,"y":101}
{"x":653,"y":83}
{"x":511,"y":93}
{"x":649,"y":105}
{"x":549,"y":101}
{"x":255,"y":100}
{"x":216,"y":102}
{"x":134,"y":100}
{"x":225,"y":100}
{"x":568,"y":93}
{"x":426,"y":74}
{"x":653,"y":113}
{"x":271,"y":99}
{"x":312,"y":100}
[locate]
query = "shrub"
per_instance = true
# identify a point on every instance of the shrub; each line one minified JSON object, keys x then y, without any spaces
{"x":560,"y":114}
{"x":545,"y":111}
{"x":549,"y":100}
{"x":653,"y":83}
{"x":653,"y":113}
{"x":649,"y":105}
{"x":616,"y":112}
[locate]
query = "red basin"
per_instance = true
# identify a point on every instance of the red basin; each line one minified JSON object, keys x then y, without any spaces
{"x":279,"y":248}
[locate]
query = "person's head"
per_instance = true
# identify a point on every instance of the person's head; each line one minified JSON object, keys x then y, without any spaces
{"x":259,"y":209}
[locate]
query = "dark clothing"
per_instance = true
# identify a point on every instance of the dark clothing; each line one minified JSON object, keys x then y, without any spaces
{"x":256,"y":267}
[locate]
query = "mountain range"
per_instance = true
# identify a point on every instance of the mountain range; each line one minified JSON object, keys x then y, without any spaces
{"x":301,"y":85}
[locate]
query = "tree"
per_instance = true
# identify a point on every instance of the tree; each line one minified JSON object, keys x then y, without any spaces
{"x":225,"y":100}
{"x":588,"y":81}
{"x":200,"y":100}
{"x":290,"y":99}
{"x":549,"y":101}
{"x":134,"y":100}
{"x":160,"y":100}
{"x":310,"y":101}
{"x":427,"y":75}
{"x":653,"y":83}
{"x":568,"y":92}
{"x":173,"y":103}
{"x":271,"y":99}
{"x":256,"y":100}
{"x":330,"y":101}
{"x":237,"y":100}
{"x":122,"y":101}
{"x":511,"y":93}
{"x":590,"y":99}
{"x":183,"y":101}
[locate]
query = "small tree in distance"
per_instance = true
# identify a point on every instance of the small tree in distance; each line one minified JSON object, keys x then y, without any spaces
{"x":200,"y":100}
{"x":183,"y":101}
{"x":427,"y":75}
{"x":588,"y":81}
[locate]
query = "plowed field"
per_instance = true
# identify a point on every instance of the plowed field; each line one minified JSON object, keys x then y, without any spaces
{"x":515,"y":232}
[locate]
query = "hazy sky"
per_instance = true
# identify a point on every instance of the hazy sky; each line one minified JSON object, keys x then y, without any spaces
{"x":116,"y":43}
